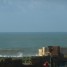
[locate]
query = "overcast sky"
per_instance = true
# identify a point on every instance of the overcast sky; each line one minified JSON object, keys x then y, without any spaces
{"x":33,"y":15}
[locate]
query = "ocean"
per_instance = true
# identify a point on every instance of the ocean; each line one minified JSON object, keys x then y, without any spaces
{"x":20,"y":44}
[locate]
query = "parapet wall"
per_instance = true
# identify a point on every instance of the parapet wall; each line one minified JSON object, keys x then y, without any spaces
{"x":19,"y":62}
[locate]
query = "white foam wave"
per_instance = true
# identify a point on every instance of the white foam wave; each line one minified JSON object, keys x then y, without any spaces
{"x":17,"y":55}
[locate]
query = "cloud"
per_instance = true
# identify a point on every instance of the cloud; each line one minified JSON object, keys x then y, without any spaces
{"x":24,"y":5}
{"x":21,"y":3}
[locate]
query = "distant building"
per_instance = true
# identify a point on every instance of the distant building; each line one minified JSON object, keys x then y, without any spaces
{"x":54,"y":50}
{"x":42,"y":51}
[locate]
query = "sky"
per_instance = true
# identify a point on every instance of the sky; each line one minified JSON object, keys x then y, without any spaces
{"x":33,"y":15}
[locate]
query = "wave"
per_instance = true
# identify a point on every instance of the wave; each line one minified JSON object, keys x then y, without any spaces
{"x":12,"y":55}
{"x":19,"y":55}
{"x":16,"y":53}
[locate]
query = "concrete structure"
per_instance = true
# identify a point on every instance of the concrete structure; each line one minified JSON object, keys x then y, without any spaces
{"x":42,"y":51}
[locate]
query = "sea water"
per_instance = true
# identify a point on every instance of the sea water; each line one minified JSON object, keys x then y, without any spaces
{"x":18,"y":44}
